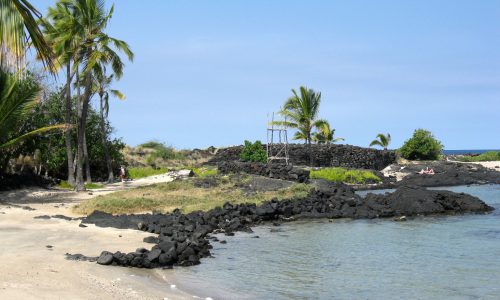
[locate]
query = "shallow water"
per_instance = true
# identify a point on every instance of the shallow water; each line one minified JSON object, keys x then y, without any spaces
{"x":452,"y":257}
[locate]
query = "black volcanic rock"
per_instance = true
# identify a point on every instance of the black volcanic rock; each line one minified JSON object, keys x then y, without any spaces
{"x":184,"y":238}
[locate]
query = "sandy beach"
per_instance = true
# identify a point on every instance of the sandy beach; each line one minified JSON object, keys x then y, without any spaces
{"x":33,"y":251}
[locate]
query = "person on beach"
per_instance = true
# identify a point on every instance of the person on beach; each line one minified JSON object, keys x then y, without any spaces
{"x":426,"y":171}
{"x":122,"y":173}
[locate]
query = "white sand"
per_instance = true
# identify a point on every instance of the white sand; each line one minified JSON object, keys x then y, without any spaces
{"x":30,"y":270}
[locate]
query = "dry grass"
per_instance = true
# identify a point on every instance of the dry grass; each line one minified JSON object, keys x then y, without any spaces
{"x":184,"y":195}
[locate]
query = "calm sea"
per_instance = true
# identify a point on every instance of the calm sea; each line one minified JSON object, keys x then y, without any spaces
{"x":470,"y":151}
{"x":448,"y":257}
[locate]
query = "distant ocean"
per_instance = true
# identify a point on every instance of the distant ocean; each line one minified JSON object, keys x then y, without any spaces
{"x":470,"y":151}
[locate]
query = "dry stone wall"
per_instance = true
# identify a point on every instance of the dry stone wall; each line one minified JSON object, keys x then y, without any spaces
{"x":345,"y":156}
{"x":278,"y":171}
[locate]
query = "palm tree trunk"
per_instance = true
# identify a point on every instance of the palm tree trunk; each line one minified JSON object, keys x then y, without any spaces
{"x":105,"y":144}
{"x":67,"y":117}
{"x":310,"y":150}
{"x":82,"y":121}
{"x":88,"y":178}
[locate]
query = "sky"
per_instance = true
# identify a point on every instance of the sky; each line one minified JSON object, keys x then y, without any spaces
{"x":212,"y":72}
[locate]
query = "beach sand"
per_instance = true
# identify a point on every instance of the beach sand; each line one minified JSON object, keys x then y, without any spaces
{"x":33,"y":251}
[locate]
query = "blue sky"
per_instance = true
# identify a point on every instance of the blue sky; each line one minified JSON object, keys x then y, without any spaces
{"x":210,"y":72}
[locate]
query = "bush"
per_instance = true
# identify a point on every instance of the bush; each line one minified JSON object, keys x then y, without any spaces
{"x":52,"y":148}
{"x":487,"y":156}
{"x":253,"y":152}
{"x":161,"y":153}
{"x":343,"y":175}
{"x":421,"y":146}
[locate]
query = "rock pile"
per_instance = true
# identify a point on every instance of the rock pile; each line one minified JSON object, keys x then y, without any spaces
{"x":277,"y":171}
{"x":184,"y":238}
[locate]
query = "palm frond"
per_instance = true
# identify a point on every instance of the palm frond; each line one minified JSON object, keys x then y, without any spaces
{"x":38,"y":131}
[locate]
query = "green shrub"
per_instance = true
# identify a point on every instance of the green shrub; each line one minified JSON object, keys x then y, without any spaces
{"x":421,"y":146}
{"x":253,"y":152}
{"x":487,"y":156}
{"x":136,"y":173}
{"x":161,"y":152}
{"x":343,"y":175}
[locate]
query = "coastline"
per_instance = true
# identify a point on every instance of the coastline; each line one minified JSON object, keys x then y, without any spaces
{"x":32,"y":270}
{"x":48,"y":272}
{"x":33,"y":251}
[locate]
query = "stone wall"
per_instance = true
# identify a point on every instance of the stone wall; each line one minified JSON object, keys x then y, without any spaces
{"x":278,"y":171}
{"x":346,"y":156}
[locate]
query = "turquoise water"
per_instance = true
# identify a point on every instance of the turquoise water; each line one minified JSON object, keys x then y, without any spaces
{"x":453,"y":257}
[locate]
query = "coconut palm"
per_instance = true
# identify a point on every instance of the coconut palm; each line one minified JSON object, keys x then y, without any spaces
{"x":18,"y":30}
{"x":382,"y":141}
{"x":301,"y":113}
{"x":17,"y":99}
{"x":325,"y":134}
{"x":59,"y":32}
{"x":102,"y":88}
{"x":90,"y":19}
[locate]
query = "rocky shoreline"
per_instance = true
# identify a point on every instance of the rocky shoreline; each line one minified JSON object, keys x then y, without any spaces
{"x":182,"y":239}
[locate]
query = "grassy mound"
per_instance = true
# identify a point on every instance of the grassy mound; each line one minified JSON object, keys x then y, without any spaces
{"x":344,"y":175}
{"x":185,"y":195}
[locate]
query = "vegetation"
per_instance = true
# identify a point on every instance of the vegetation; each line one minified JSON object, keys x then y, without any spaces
{"x":53,"y":156}
{"x":325,"y":134}
{"x":102,"y":84}
{"x":18,"y":21}
{"x":91,"y":186}
{"x":18,"y":97}
{"x":161,"y":152}
{"x":487,"y":156}
{"x":141,"y":172}
{"x":301,"y":113}
{"x":421,"y":146}
{"x":253,"y":152}
{"x":184,"y":195}
{"x":76,"y":29}
{"x":382,"y":141}
{"x":344,"y":175}
{"x":204,"y":172}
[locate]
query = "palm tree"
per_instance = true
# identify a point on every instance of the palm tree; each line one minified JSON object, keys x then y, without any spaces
{"x":59,"y":32}
{"x":102,"y":86}
{"x":301,"y":112}
{"x":382,"y":141}
{"x":18,"y":17}
{"x":90,"y":20}
{"x":17,"y":100}
{"x":325,"y":134}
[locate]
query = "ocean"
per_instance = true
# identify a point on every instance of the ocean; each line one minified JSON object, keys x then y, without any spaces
{"x":436,"y":257}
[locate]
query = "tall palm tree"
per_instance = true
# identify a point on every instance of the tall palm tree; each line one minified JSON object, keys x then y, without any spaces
{"x":17,"y":100}
{"x":301,"y":113}
{"x":59,"y":32}
{"x":90,"y":21}
{"x":102,"y":86}
{"x":18,"y":30}
{"x":325,"y":134}
{"x":382,"y":141}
